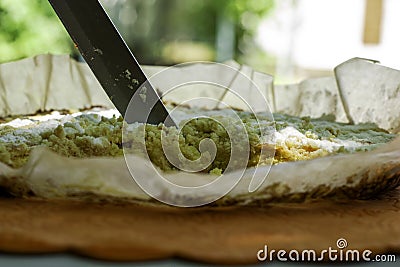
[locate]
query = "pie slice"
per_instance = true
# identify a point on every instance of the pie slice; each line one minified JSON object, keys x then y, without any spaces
{"x":90,"y":145}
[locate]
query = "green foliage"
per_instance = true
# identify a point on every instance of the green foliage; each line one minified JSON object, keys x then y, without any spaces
{"x":236,"y":8}
{"x":246,"y":15}
{"x":188,"y":28}
{"x":159,"y":31}
{"x":30,"y":27}
{"x":200,"y":17}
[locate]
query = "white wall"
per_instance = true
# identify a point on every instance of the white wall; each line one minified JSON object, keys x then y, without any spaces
{"x":320,"y":34}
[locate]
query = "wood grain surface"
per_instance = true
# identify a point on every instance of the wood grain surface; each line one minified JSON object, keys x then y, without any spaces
{"x":132,"y":232}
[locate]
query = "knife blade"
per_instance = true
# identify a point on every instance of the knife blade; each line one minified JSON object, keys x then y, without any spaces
{"x":111,"y":61}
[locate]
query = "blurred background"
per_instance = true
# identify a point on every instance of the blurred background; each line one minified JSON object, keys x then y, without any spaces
{"x":290,"y":39}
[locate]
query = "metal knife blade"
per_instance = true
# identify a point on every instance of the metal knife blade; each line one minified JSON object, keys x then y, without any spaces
{"x":110,"y":59}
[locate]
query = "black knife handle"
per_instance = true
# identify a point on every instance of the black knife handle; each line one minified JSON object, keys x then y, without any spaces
{"x":110,"y":59}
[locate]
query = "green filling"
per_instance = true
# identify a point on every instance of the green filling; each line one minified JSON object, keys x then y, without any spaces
{"x":326,"y":128}
{"x":91,"y":135}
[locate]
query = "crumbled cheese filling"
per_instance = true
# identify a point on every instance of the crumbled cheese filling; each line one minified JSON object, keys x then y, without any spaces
{"x":98,"y":132}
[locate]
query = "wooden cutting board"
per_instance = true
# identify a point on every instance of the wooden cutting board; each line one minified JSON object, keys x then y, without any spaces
{"x":207,"y":234}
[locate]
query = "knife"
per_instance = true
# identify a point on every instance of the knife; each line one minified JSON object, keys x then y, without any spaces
{"x":111,"y":61}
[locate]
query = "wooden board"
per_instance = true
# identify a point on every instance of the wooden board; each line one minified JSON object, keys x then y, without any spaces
{"x":209,"y":234}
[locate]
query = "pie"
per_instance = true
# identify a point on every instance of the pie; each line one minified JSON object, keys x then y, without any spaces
{"x":81,"y":155}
